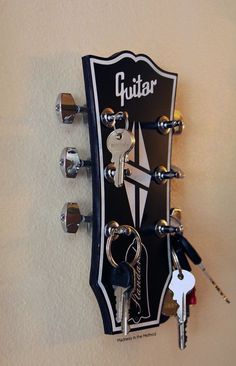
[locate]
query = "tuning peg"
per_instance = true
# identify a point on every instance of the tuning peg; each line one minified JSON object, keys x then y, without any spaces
{"x":164,"y":125}
{"x":71,"y":217}
{"x":161,"y":174}
{"x":66,"y":108}
{"x":109,"y":118}
{"x":110,"y":170}
{"x":70,"y":162}
{"x":178,"y":116}
{"x":175,"y":216}
{"x":162,"y":229}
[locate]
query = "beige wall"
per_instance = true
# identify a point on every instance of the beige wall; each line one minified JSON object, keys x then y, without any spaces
{"x":48,"y":313}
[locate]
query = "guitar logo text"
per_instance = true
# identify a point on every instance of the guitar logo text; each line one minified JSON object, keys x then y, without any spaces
{"x":137,"y":90}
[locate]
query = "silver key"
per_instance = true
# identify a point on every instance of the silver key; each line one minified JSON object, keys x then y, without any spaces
{"x":126,"y":304}
{"x":123,"y":296}
{"x":123,"y":281}
{"x":119,"y":294}
{"x":180,"y":288}
{"x":125,"y":312}
{"x":120,"y":142}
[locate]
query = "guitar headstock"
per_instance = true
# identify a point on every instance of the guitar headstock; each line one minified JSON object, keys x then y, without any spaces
{"x":131,"y":92}
{"x":130,"y":106}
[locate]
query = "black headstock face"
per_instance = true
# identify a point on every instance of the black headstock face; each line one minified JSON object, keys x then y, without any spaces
{"x":126,"y":82}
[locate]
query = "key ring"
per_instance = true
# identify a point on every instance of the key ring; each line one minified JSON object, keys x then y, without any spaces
{"x":177,"y":264}
{"x":126,"y":230}
{"x":121,"y":115}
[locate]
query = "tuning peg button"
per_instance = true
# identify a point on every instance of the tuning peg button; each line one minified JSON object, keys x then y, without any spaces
{"x":67,"y":109}
{"x":175,"y":216}
{"x":70,"y":162}
{"x":178,"y":117}
{"x":109,"y":118}
{"x":164,"y":125}
{"x":162,"y":229}
{"x":161,"y":174}
{"x":71,"y":217}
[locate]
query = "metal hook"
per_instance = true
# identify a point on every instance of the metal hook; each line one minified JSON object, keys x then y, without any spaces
{"x":123,"y":230}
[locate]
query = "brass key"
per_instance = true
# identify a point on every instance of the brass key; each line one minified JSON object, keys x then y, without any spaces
{"x":120,"y":142}
{"x":170,"y":306}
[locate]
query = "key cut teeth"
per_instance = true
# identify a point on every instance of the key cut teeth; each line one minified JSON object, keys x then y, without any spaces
{"x":182,"y":335}
{"x":183,"y":338}
{"x":118,"y":296}
{"x":125,"y":314}
{"x":185,"y":331}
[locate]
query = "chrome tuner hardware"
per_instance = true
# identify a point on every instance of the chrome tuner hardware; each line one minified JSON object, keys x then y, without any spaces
{"x":109,"y":227}
{"x":162,"y":229}
{"x":164,"y":125}
{"x":109,"y":118}
{"x":175,"y":216}
{"x":114,"y":229}
{"x":66,"y":108}
{"x":71,"y":217}
{"x":161,"y":174}
{"x":70,"y":162}
{"x":109,"y":172}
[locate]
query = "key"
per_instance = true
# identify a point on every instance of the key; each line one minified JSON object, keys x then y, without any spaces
{"x":120,"y":142}
{"x":123,"y":280}
{"x":170,"y":306}
{"x":197,"y":260}
{"x":183,"y":261}
{"x":126,"y":303}
{"x":187,"y":317}
{"x":180,"y":288}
